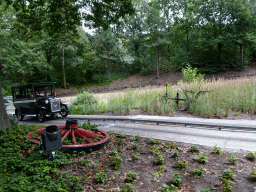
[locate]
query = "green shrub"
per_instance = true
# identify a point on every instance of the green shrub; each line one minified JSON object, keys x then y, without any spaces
{"x":251,"y":155}
{"x":78,"y":187}
{"x":136,"y":138}
{"x":181,"y":164}
{"x":168,"y":188}
{"x":111,"y":132}
{"x":135,"y":156}
{"x":190,"y":74}
{"x":131,"y":176}
{"x":227,"y":185}
{"x":199,"y":172}
{"x":232,"y":159}
{"x":135,"y":146}
{"x":177,"y":180}
{"x":253,"y":175}
{"x":116,"y":162}
{"x":84,"y":98}
{"x":171,"y":144}
{"x":85,"y":162}
{"x":228,"y":174}
{"x":154,"y":141}
{"x":194,"y":149}
{"x":159,"y":172}
{"x":89,"y":126}
{"x":155,"y":150}
{"x":114,"y":152}
{"x":160,"y":159}
{"x":202,"y":158}
{"x":101,"y":176}
{"x":119,"y":141}
{"x":96,"y":164}
{"x":128,"y":188}
{"x":121,"y":135}
{"x":217,"y":150}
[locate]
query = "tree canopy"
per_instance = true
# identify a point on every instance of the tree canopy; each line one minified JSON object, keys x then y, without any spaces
{"x":59,"y":17}
{"x":44,"y":41}
{"x":32,"y":30}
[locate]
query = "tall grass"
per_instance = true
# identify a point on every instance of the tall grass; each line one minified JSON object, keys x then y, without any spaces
{"x":149,"y":100}
{"x":227,"y":95}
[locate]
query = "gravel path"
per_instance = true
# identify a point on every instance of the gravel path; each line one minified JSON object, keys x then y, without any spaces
{"x":100,"y":97}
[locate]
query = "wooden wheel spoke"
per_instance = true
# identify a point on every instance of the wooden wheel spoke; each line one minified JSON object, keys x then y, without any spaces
{"x":78,"y":133}
{"x":66,"y":134}
{"x":91,"y":135}
{"x":73,"y":136}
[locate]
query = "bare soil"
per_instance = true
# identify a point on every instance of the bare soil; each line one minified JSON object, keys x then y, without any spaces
{"x":146,"y":167}
{"x":150,"y":79}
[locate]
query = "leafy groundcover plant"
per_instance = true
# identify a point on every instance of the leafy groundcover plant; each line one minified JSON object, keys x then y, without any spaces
{"x":22,"y":169}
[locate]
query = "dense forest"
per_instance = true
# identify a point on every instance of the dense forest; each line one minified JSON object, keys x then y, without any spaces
{"x":212,"y":35}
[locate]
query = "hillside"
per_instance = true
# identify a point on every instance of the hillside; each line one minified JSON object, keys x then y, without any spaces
{"x":150,"y":79}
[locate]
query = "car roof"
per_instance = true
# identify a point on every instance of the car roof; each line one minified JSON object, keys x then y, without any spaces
{"x":35,"y":84}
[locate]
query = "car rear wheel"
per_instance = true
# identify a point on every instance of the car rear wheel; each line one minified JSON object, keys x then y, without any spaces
{"x":41,"y":115}
{"x":18,"y":114}
{"x":64,"y":111}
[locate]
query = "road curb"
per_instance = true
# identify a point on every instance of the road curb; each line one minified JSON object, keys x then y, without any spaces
{"x":221,"y":123}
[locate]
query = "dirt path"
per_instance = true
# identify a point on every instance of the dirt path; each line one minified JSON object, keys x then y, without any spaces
{"x":107,"y":96}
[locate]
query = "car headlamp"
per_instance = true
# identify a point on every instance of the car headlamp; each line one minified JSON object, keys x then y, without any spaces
{"x":46,"y":101}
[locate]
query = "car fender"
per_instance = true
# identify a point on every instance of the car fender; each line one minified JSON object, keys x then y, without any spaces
{"x":41,"y":107}
{"x":62,"y":103}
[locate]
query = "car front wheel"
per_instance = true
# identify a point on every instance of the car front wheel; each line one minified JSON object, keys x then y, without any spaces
{"x":41,"y":115}
{"x":54,"y":116}
{"x":64,"y":111}
{"x":18,"y":114}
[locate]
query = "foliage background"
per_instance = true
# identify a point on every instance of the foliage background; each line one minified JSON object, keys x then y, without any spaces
{"x":212,"y":36}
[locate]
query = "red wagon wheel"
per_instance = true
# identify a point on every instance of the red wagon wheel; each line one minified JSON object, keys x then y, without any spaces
{"x":91,"y":140}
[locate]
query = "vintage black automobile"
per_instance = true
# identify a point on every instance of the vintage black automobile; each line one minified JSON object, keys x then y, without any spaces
{"x":39,"y":99}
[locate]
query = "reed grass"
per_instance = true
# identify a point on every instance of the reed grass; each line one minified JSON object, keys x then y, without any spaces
{"x":227,"y":95}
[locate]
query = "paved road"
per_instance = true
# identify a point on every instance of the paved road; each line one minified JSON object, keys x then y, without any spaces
{"x":229,"y":138}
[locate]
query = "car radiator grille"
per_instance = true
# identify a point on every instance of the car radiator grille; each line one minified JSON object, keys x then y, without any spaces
{"x":55,"y":105}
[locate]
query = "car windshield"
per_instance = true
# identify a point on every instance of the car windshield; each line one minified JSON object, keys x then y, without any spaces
{"x":42,"y":91}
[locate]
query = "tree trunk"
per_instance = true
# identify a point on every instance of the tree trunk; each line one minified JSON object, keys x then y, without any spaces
{"x":48,"y":60}
{"x":108,"y":71}
{"x":63,"y":67}
{"x":4,"y":119}
{"x":242,"y":53}
{"x":187,"y":43}
{"x":220,"y":45}
{"x":254,"y":56}
{"x":157,"y":63}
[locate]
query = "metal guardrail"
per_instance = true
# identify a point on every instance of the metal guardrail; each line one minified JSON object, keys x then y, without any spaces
{"x":165,"y":121}
{"x":7,"y":100}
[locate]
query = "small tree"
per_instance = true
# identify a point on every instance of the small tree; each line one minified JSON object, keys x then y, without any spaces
{"x":190,"y":75}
